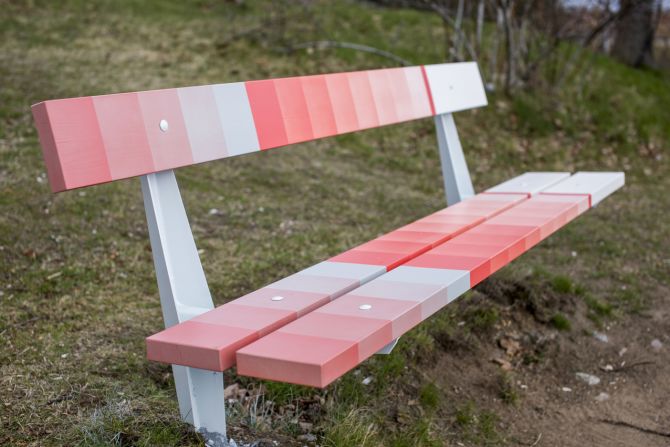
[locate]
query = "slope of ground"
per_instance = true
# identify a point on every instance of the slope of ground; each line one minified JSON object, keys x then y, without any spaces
{"x":77,"y":288}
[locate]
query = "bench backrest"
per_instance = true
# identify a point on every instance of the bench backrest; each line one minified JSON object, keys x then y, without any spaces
{"x":97,"y":139}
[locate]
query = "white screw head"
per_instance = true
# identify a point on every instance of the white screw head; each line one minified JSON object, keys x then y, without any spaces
{"x":163,"y":125}
{"x":277,"y":298}
{"x":365,"y":307}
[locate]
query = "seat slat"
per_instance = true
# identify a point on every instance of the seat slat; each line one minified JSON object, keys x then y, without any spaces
{"x":412,"y":292}
{"x":316,"y":286}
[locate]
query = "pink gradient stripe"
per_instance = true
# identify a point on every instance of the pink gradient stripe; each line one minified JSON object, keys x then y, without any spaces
{"x":98,"y":139}
{"x":363,"y":321}
{"x":305,"y":291}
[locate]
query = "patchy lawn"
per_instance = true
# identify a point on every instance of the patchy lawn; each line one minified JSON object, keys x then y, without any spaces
{"x":78,"y":294}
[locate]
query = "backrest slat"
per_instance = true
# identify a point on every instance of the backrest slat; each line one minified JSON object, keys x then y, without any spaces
{"x":98,"y":139}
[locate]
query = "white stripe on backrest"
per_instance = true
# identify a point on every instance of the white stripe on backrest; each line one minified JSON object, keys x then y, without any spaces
{"x":455,"y":86}
{"x":236,"y":118}
{"x":204,"y":129}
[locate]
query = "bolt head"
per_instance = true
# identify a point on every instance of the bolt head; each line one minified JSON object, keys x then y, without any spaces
{"x":277,"y":298}
{"x":163,"y":125}
{"x":365,"y":307}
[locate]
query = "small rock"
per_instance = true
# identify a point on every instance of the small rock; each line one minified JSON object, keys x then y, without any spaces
{"x":565,"y":389}
{"x":231,"y":391}
{"x":505,"y":365}
{"x":213,"y":211}
{"x":511,"y":347}
{"x":608,"y":367}
{"x":602,"y":397}
{"x":589,"y":379}
{"x":623,"y":351}
{"x":656,"y":344}
{"x":367,"y":380}
{"x":309,"y":437}
{"x":600,"y":336}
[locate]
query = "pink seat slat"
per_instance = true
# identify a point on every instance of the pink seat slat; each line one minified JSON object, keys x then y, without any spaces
{"x":424,"y":285}
{"x":97,"y":139}
{"x":316,"y":286}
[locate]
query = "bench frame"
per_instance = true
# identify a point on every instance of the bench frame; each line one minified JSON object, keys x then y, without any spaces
{"x":184,"y":292}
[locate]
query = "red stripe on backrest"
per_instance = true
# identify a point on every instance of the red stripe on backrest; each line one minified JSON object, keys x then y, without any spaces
{"x":267,"y":113}
{"x":319,"y":106}
{"x":430,"y":94}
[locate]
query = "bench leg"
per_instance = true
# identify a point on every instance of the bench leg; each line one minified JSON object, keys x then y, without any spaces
{"x":457,"y":183}
{"x":388,"y":348}
{"x":184,"y":293}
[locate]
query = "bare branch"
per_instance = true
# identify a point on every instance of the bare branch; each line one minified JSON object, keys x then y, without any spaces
{"x":323,"y":44}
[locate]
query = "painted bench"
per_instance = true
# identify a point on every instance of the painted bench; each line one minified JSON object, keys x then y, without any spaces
{"x":311,"y":327}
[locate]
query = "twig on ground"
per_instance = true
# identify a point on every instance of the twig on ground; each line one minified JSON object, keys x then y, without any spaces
{"x":322,"y":44}
{"x":539,"y":436}
{"x":635,"y":427}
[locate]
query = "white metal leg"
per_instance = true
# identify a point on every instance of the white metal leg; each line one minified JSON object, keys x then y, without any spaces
{"x":184,"y":294}
{"x":457,"y":183}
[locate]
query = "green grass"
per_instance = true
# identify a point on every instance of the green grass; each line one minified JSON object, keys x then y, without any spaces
{"x":77,"y":287}
{"x":560,"y":322}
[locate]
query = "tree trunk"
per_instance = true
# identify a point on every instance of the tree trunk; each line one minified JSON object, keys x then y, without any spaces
{"x":634,"y":39}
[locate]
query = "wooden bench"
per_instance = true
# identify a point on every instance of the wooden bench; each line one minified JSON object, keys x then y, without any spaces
{"x":311,"y":327}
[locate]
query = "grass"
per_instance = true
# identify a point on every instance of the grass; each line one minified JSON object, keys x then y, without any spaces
{"x":561,"y":322}
{"x":77,"y":288}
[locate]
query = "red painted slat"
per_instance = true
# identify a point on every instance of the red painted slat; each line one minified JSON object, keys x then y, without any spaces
{"x":124,"y":135}
{"x":465,"y":257}
{"x":297,"y":121}
{"x":319,"y":106}
{"x":267,"y":114}
{"x":304,"y":292}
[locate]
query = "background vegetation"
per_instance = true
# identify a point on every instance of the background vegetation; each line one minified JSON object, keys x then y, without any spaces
{"x":77,"y":288}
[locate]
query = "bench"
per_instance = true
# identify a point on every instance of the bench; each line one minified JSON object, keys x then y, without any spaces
{"x":311,"y":327}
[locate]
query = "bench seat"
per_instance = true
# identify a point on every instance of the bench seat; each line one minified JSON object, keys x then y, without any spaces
{"x":323,"y":345}
{"x":210,"y":341}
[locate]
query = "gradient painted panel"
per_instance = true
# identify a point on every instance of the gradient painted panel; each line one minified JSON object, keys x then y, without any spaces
{"x":201,"y":115}
{"x":72,"y":123}
{"x":237,"y":121}
{"x":293,"y":105}
{"x":123,"y":134}
{"x":418,"y":92}
{"x":429,"y":282}
{"x":216,"y":121}
{"x":319,"y":106}
{"x":342,"y":100}
{"x":382,"y":94}
{"x":364,"y":101}
{"x":259,"y":312}
{"x":311,"y":288}
{"x":169,"y":148}
{"x":267,"y":114}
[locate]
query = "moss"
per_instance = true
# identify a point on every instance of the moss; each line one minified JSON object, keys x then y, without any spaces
{"x":561,"y":322}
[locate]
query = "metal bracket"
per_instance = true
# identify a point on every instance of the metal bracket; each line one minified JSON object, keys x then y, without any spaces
{"x":457,"y":183}
{"x":388,"y":348}
{"x":184,"y":294}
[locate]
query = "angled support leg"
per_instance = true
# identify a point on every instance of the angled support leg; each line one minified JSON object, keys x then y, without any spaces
{"x":457,"y":183}
{"x":184,"y":294}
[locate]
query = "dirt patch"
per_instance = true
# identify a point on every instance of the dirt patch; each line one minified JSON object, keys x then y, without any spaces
{"x":523,"y":369}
